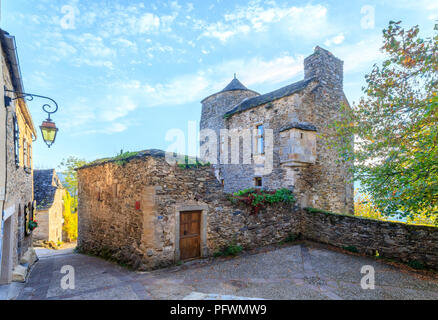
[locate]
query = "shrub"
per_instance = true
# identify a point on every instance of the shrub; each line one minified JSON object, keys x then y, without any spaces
{"x":230,"y":250}
{"x":259,"y":199}
{"x":291,"y":237}
{"x":416,"y":264}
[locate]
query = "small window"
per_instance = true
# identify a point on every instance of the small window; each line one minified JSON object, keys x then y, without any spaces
{"x":25,"y":159}
{"x":29,"y":155}
{"x":260,"y":140}
{"x":301,"y":134}
{"x":258,"y":182}
{"x":222,"y":147}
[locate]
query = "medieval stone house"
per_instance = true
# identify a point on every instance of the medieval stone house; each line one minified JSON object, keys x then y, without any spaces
{"x":49,"y":192}
{"x":149,"y":212}
{"x":17,"y":132}
{"x":294,"y":155}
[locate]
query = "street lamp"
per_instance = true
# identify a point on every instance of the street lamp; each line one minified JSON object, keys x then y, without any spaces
{"x":48,"y":131}
{"x":48,"y":127}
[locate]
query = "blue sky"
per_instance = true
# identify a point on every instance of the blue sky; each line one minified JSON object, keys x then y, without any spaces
{"x":126,"y":72}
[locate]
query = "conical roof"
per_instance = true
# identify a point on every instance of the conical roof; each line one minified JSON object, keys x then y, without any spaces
{"x":234,"y":85}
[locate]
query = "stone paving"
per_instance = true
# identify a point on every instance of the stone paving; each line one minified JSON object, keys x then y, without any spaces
{"x":303,"y":271}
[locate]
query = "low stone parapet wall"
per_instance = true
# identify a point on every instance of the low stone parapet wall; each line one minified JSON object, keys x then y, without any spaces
{"x":391,"y":240}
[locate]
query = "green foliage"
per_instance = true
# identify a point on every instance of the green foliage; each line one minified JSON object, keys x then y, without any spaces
{"x":68,"y":167}
{"x":123,"y":158}
{"x":70,"y":219}
{"x":32,"y":225}
{"x":191,"y":162}
{"x":227,"y":116}
{"x":259,"y":199}
{"x":351,"y":249}
{"x":416,"y":264}
{"x":291,"y":237}
{"x":395,"y":126}
{"x":230,"y":250}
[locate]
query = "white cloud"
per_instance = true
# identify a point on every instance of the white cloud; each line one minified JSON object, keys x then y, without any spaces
{"x":148,"y":22}
{"x":196,"y":86}
{"x":361,"y":55}
{"x":335,"y":40}
{"x":117,"y":108}
{"x":124,"y":43}
{"x":307,"y":21}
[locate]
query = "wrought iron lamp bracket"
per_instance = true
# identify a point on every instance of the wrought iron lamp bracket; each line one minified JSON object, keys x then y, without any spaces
{"x":48,"y":108}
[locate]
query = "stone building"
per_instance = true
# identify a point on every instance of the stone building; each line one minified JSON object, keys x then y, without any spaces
{"x":148,"y":213}
{"x":275,"y":140}
{"x":17,"y":132}
{"x":49,"y":193}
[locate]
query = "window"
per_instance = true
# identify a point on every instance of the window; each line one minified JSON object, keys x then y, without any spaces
{"x":16,"y":141}
{"x":222,"y":148}
{"x":29,"y":155}
{"x":260,"y":140}
{"x":258,"y":182}
{"x":25,"y":153}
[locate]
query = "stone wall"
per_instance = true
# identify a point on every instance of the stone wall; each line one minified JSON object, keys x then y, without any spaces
{"x":130,"y":212}
{"x":391,"y":240}
{"x":19,"y":188}
{"x":274,"y":116}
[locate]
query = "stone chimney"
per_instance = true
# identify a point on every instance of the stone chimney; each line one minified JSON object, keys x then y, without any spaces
{"x":328,"y":69}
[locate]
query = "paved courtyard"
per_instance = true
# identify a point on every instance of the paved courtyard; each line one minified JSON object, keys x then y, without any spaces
{"x":303,"y":271}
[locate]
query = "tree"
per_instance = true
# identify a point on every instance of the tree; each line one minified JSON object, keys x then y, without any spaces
{"x":68,"y":167}
{"x":70,"y":219}
{"x":364,"y":207}
{"x":395,"y":127}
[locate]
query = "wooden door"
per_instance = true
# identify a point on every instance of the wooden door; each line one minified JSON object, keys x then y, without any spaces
{"x":190,"y":234}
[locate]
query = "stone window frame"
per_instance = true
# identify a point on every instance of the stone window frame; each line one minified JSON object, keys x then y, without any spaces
{"x":203,"y":228}
{"x":258,"y":136}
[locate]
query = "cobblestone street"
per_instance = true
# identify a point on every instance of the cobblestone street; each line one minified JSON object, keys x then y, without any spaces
{"x":303,"y":271}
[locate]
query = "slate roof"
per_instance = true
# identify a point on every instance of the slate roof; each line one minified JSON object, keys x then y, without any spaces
{"x":234,"y":85}
{"x":271,"y":96}
{"x":44,"y":190}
